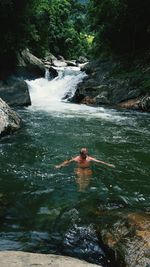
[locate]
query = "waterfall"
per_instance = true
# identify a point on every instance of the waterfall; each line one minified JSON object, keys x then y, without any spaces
{"x":50,"y":96}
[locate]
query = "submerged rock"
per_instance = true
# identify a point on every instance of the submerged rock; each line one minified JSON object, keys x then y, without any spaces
{"x":9,"y":119}
{"x":24,"y":259}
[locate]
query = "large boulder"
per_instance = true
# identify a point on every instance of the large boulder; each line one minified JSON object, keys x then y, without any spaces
{"x":110,"y":83}
{"x":9,"y":119}
{"x":23,"y":259}
{"x":15,"y":92}
{"x":128,"y":234}
{"x":29,"y":66}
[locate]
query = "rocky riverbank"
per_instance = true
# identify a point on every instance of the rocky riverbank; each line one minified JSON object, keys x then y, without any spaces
{"x":111,"y":83}
{"x":23,"y":259}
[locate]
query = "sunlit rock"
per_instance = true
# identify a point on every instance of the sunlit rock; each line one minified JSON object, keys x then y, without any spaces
{"x":23,"y":259}
{"x":29,"y":65}
{"x":128,"y":234}
{"x":9,"y":120}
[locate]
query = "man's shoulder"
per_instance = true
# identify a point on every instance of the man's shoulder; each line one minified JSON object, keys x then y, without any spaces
{"x":76,"y":158}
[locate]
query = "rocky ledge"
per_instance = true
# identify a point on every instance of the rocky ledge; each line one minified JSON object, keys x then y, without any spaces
{"x":23,"y":259}
{"x":109,"y":83}
{"x":9,"y":120}
{"x":128,"y":235}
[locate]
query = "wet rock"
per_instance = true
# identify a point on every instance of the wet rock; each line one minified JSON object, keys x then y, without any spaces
{"x":23,"y":259}
{"x":130,"y":104}
{"x":59,"y":63}
{"x":144,"y":103}
{"x":71,"y":63}
{"x":15,"y":92}
{"x":53,"y":73}
{"x":128,"y":235}
{"x":88,"y":100}
{"x":83,"y":243}
{"x":102,"y":98}
{"x":105,"y":87}
{"x":9,"y":120}
{"x":29,"y":66}
{"x":61,"y":58}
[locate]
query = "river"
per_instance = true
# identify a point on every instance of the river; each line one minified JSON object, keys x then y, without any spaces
{"x":48,"y":210}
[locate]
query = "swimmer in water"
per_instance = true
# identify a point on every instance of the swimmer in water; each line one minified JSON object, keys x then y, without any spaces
{"x":83,"y":160}
{"x":83,"y":170}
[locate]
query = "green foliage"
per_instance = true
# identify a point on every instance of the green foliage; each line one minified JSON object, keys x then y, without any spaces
{"x":66,"y":23}
{"x":57,"y":26}
{"x":120,"y":26}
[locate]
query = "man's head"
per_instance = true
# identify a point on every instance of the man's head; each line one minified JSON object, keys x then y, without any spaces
{"x":83,"y":153}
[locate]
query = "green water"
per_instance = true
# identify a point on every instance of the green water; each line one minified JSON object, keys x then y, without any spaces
{"x":43,"y":209}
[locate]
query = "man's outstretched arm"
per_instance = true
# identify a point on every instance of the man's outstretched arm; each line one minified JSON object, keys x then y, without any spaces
{"x":63,"y":164}
{"x":102,"y":162}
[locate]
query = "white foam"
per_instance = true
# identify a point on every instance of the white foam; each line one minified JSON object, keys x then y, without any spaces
{"x":47,"y":96}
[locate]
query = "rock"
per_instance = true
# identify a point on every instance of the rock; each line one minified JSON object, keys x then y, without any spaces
{"x":50,"y":57}
{"x":29,"y":66}
{"x":128,"y":234}
{"x":105,"y":87}
{"x":24,"y":259}
{"x":130,"y":104}
{"x":53,"y":73}
{"x":47,"y":64}
{"x":144,"y":103}
{"x":88,"y":100}
{"x":102,"y":98}
{"x":15,"y":92}
{"x":9,"y":120}
{"x":139,"y":103}
{"x":71,"y":63}
{"x":81,"y":60}
{"x":59,"y":63}
{"x":61,"y":58}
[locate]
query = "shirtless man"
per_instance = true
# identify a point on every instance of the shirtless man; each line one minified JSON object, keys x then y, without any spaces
{"x":83,"y":170}
{"x":83,"y":160}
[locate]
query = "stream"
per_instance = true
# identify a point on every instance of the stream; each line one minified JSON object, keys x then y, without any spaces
{"x":49,"y":210}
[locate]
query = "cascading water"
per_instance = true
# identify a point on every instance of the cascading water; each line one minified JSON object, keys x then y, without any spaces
{"x":51,"y":96}
{"x":47,"y":94}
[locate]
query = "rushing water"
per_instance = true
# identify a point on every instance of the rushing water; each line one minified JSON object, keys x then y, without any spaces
{"x":44,"y":209}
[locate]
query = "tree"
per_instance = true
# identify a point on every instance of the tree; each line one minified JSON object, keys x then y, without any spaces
{"x":120,"y":26}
